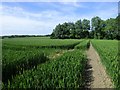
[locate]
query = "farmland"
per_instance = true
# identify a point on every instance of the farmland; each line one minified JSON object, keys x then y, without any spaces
{"x":40,"y":62}
{"x":108,"y":51}
{"x":57,"y":45}
{"x":48,"y":57}
{"x":65,"y":71}
{"x":42,"y":42}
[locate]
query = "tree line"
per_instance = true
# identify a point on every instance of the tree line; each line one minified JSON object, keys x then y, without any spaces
{"x":94,"y":29}
{"x":22,"y":36}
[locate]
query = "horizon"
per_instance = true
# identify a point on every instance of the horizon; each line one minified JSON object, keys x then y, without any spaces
{"x":40,"y":18}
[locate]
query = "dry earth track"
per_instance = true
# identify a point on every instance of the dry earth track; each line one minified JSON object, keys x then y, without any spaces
{"x":96,"y":76}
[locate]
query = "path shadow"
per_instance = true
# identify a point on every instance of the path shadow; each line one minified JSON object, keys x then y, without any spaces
{"x":88,"y":75}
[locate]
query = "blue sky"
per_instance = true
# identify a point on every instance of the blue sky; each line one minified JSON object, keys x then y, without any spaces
{"x":41,"y":17}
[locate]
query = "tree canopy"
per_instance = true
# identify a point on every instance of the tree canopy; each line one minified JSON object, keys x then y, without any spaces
{"x":98,"y":28}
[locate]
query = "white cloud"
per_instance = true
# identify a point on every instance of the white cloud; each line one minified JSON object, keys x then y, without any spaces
{"x":15,"y":20}
{"x":18,"y":25}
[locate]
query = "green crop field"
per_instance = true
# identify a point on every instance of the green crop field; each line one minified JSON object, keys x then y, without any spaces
{"x":40,"y":42}
{"x":41,"y":62}
{"x":45,"y":59}
{"x":108,"y":51}
{"x":65,"y":71}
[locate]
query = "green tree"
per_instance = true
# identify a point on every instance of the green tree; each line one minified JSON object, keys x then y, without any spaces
{"x":86,"y":28}
{"x":66,"y":31}
{"x":58,"y":31}
{"x":91,"y":34}
{"x":96,"y":26}
{"x":101,"y":29}
{"x":78,"y":29}
{"x":118,"y":26}
{"x":111,"y":28}
{"x":72,"y":29}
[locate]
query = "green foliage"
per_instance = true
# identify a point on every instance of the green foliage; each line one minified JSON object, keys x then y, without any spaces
{"x":111,"y":28}
{"x":26,"y":58}
{"x":100,"y":29}
{"x":109,"y":53}
{"x":64,"y":72}
{"x":39,"y":42}
{"x":0,"y":61}
{"x":86,"y":24}
{"x":105,"y":29}
{"x":83,"y":45}
{"x":79,"y":29}
{"x":20,"y":54}
{"x":97,"y":27}
{"x":118,"y":27}
{"x":15,"y":62}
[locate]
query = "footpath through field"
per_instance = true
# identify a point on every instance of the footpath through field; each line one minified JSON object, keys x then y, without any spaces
{"x":95,"y":71}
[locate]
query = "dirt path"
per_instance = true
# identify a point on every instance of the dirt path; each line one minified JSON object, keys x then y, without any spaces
{"x":95,"y":71}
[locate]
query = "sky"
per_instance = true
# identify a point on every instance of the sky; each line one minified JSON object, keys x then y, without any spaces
{"x":40,"y":18}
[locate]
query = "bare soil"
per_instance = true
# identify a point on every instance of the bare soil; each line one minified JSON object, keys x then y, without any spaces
{"x":96,"y":76}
